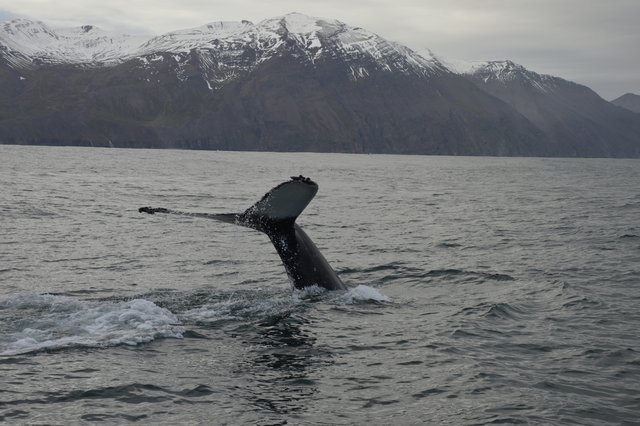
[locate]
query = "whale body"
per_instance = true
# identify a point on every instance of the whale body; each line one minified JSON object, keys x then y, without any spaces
{"x":275,"y":215}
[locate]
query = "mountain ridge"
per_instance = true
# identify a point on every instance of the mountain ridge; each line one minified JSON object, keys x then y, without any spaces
{"x":291,"y":82}
{"x":576,"y":119}
{"x":35,"y":42}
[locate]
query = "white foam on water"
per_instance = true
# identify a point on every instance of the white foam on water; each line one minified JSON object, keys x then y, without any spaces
{"x":363,"y":293}
{"x":36,"y":322}
{"x":251,"y":306}
{"x":239,"y":306}
{"x":33,"y":322}
{"x":310,"y":292}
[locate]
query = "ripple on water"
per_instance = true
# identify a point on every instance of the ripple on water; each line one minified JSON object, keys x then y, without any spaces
{"x":508,"y":304}
{"x":505,"y":311}
{"x":418,"y":276}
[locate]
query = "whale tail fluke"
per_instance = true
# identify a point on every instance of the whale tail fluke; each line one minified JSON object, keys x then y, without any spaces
{"x":282,"y":205}
{"x":275,"y":215}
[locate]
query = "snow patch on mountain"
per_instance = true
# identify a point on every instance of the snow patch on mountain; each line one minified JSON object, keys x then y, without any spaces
{"x":506,"y":72}
{"x":224,"y":50}
{"x":459,"y":66}
{"x":27,"y":43}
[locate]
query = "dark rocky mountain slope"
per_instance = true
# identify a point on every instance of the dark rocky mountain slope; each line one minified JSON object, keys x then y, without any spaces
{"x":292,"y":83}
{"x":577,"y":120}
{"x":629,"y":101}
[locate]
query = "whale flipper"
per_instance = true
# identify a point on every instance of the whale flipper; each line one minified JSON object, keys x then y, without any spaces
{"x":275,"y":215}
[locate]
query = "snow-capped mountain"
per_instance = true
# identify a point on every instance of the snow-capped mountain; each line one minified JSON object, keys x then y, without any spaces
{"x":578,"y":121}
{"x":503,"y":72}
{"x":289,"y":83}
{"x":27,"y":43}
{"x":227,"y":49}
{"x":507,"y":72}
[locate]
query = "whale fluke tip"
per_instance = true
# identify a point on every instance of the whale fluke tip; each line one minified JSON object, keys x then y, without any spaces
{"x":152,"y":210}
{"x":301,"y":178}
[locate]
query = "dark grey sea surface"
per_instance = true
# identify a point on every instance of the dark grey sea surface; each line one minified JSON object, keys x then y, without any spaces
{"x":482,"y":291}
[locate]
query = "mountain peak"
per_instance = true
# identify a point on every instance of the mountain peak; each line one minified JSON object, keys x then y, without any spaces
{"x":299,"y":19}
{"x":629,"y":95}
{"x":301,"y":23}
{"x":630,"y":101}
{"x":505,"y":68}
{"x":506,"y":72}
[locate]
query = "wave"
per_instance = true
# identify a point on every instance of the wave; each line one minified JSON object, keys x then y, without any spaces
{"x":630,"y":205}
{"x":497,"y":310}
{"x":133,"y":393}
{"x":256,"y":305}
{"x":629,"y":236}
{"x":578,"y":302}
{"x":44,"y":322}
{"x":446,"y":244}
{"x":448,"y":273}
{"x":400,"y":271}
{"x":504,"y":311}
{"x":33,"y":323}
{"x":391,"y":266}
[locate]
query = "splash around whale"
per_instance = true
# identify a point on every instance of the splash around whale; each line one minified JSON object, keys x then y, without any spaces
{"x":275,"y":215}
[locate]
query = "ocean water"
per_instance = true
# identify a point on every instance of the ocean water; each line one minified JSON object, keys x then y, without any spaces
{"x":481,"y":291}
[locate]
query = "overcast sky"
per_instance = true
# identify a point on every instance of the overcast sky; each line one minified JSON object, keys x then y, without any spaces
{"x":592,"y":42}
